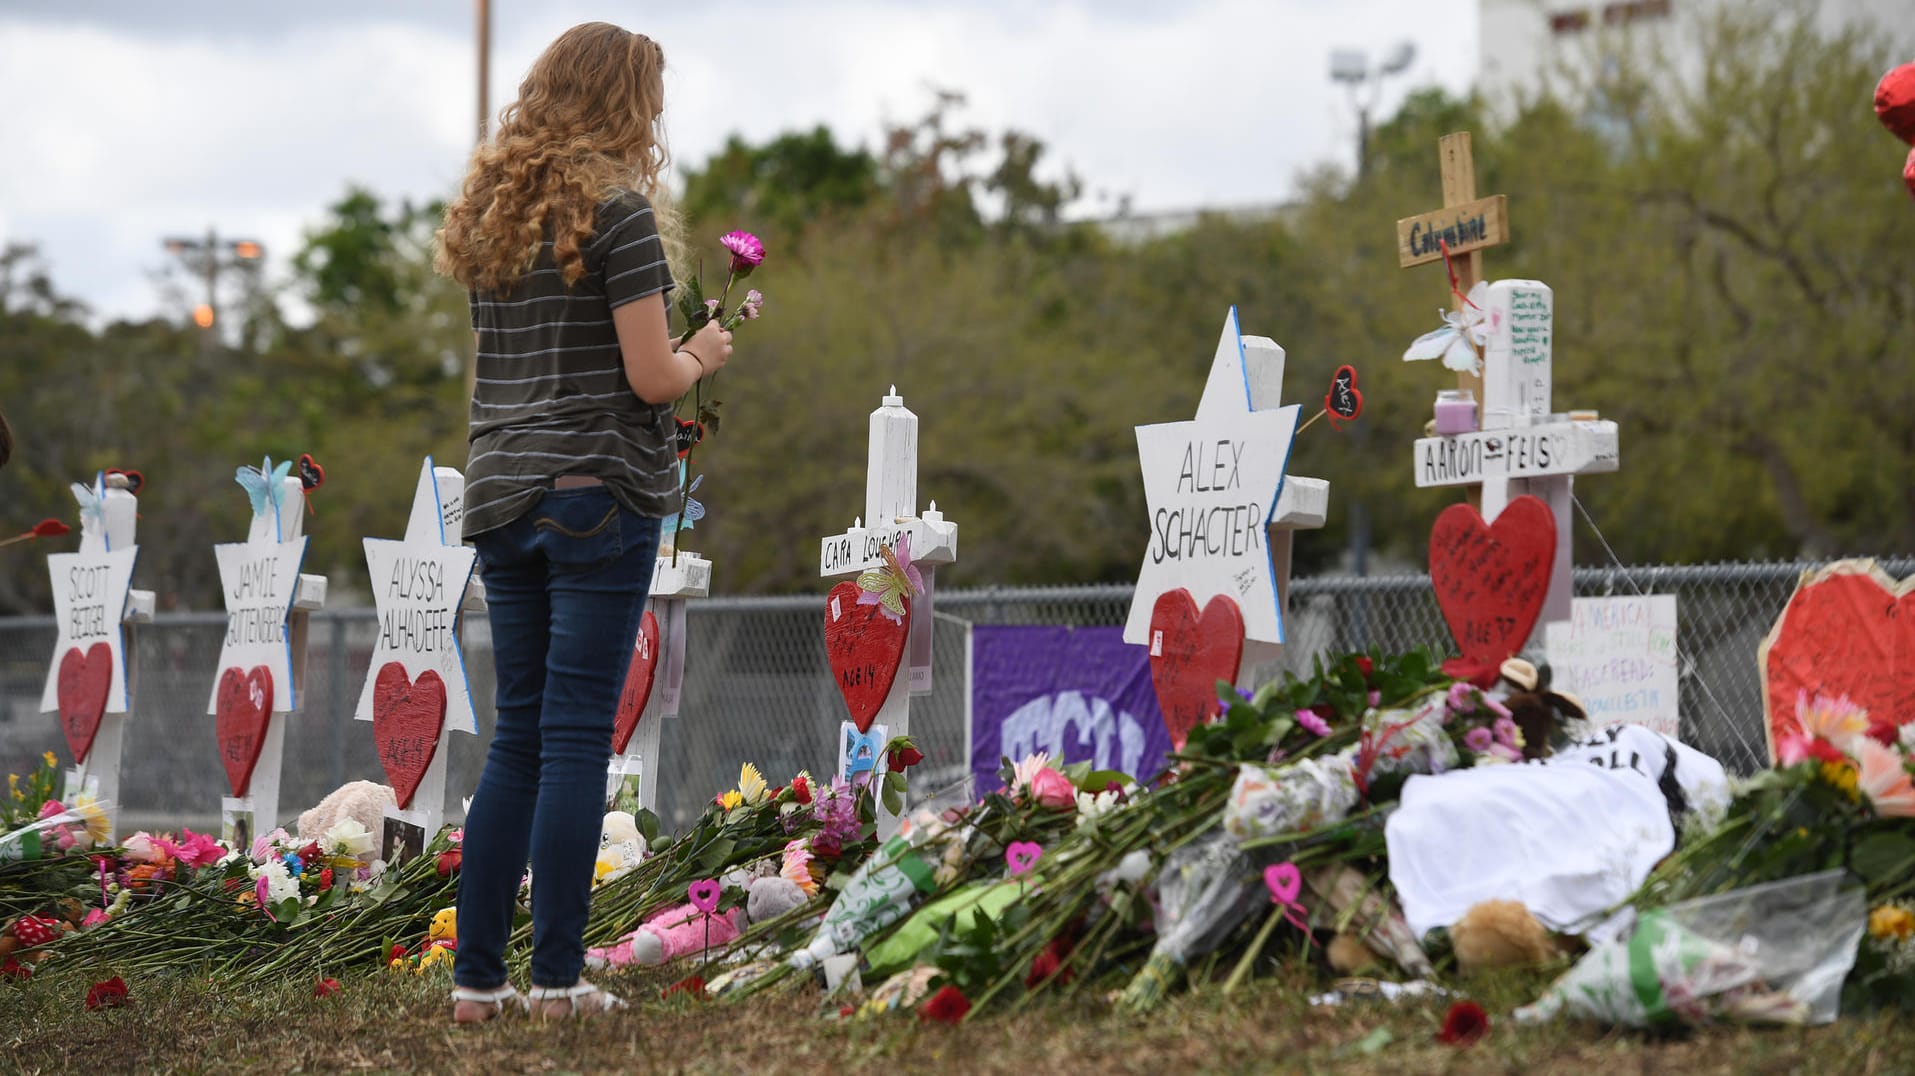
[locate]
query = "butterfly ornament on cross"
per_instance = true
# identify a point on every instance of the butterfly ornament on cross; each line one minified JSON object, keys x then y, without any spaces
{"x":889,"y":587}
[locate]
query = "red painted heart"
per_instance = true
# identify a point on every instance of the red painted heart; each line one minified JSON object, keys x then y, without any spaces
{"x":1189,"y":654}
{"x":407,"y":717}
{"x":83,"y":683}
{"x":241,"y":709}
{"x":638,"y":683}
{"x":865,"y":648}
{"x":1491,"y":580}
{"x":1850,"y":631}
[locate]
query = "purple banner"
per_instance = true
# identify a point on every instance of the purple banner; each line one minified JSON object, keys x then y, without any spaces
{"x":1081,"y":694}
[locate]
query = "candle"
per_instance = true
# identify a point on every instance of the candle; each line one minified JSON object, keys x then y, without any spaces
{"x":891,"y":471}
{"x":1455,"y":412}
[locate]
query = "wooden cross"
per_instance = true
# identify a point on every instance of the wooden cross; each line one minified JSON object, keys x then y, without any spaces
{"x":890,"y":513}
{"x":1520,"y":446}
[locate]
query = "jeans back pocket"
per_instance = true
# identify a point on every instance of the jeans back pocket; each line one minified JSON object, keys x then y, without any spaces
{"x":579,"y":529}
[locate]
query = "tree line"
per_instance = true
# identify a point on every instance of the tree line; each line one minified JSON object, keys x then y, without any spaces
{"x":1728,"y":253}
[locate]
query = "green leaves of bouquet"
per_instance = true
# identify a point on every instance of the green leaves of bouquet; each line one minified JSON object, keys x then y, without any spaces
{"x":1272,"y":721}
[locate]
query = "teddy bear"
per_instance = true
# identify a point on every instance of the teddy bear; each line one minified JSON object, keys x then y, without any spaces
{"x":684,"y":931}
{"x":1545,"y":716}
{"x":1501,"y":934}
{"x":620,"y":847}
{"x":364,"y":802}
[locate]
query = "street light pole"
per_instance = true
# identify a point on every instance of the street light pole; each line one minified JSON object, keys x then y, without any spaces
{"x":206,"y":258}
{"x":1352,"y":68}
{"x":485,"y":63}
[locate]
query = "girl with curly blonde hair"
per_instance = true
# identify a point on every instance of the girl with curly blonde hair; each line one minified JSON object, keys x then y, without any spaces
{"x":560,"y":234}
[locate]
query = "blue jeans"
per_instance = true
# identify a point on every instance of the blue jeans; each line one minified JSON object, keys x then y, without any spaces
{"x":565,"y":589}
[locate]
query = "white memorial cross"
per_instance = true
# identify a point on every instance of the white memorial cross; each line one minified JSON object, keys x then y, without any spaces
{"x":1222,"y":512}
{"x":677,"y":575}
{"x":890,"y":513}
{"x":91,"y":677}
{"x":420,"y":586}
{"x":268,"y":605}
{"x":1523,"y":447}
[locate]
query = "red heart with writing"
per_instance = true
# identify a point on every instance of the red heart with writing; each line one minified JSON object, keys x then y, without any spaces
{"x":83,"y":683}
{"x":865,"y":648}
{"x":638,"y":684}
{"x":1848,"y":631}
{"x":407,"y":716}
{"x":241,"y":709}
{"x":1189,"y":653}
{"x":1491,"y":579}
{"x":1344,"y":400}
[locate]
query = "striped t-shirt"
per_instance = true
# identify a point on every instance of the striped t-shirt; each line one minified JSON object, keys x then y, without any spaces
{"x":551,"y":396}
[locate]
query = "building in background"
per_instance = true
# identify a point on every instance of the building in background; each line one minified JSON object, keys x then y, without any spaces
{"x":1522,"y":43}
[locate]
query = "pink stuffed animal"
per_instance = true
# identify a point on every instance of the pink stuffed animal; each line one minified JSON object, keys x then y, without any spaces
{"x":681,"y":931}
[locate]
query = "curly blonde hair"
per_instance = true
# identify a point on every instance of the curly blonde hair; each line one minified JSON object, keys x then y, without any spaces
{"x":586,"y":124}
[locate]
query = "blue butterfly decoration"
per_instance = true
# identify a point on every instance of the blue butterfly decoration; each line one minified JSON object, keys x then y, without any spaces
{"x":694,"y":511}
{"x":264,"y":484}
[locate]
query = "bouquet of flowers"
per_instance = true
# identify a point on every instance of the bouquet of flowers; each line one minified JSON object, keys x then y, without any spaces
{"x":746,"y":253}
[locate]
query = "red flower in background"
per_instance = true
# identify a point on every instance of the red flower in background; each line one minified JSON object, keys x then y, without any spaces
{"x":1465,"y":1025}
{"x":1885,"y":733}
{"x":1365,"y":666}
{"x":947,"y":1006}
{"x":324,"y":987}
{"x":801,"y":788}
{"x":904,"y":757}
{"x":49,"y":528}
{"x":325,"y":878}
{"x":106,"y":994}
{"x":1045,"y":964}
{"x":449,"y":860}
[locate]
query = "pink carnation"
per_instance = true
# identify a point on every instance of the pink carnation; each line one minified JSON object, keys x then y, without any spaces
{"x":198,"y":849}
{"x":1479,"y":739}
{"x":1314,"y":723}
{"x":747,"y":251}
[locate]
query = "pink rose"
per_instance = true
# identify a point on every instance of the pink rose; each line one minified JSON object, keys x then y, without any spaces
{"x":1052,"y":789}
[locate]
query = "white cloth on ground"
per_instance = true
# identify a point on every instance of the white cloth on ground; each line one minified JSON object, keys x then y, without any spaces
{"x":1568,"y":838}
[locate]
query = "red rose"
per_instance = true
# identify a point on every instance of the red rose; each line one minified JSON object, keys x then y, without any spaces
{"x":1045,"y":964}
{"x":325,"y":879}
{"x":324,"y":987}
{"x":845,"y":1011}
{"x":1465,"y":1025}
{"x":310,"y":853}
{"x":106,"y":994}
{"x":947,"y":1006}
{"x":903,"y":758}
{"x":801,"y":788}
{"x":691,"y":984}
{"x":1365,"y":666}
{"x":449,"y":861}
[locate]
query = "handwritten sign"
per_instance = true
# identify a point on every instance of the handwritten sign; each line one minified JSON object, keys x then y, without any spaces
{"x":257,"y":577}
{"x":407,"y":717}
{"x":418,"y":585}
{"x":89,"y":599}
{"x":242,"y":706}
{"x":1519,"y":317}
{"x":1462,"y":228}
{"x":865,"y":649}
{"x":1618,"y":656}
{"x":1212,"y":485}
{"x":1491,"y":579}
{"x":1562,"y":448}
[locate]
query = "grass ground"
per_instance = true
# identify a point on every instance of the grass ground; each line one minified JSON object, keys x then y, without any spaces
{"x":173,"y":1023}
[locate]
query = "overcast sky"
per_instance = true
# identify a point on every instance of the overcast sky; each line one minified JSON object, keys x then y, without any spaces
{"x":127,"y":120}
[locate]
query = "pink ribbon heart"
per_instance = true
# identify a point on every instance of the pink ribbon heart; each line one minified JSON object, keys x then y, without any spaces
{"x":1285,"y":883}
{"x":704,"y":895}
{"x":1021,"y":855}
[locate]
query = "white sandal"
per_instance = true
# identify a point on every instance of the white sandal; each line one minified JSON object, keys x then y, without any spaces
{"x":497,"y":998}
{"x":583,"y":999}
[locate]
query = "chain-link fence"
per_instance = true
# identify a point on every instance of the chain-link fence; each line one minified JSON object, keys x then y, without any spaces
{"x":756,"y":686}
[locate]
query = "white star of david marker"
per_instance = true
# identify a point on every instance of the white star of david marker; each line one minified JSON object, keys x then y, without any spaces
{"x":89,"y":598}
{"x":418,"y":585}
{"x":1212,"y":486}
{"x":257,"y":578}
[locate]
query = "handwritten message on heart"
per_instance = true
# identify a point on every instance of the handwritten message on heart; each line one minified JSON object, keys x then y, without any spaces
{"x":1285,"y":883}
{"x":1189,"y":653}
{"x":1343,"y":402}
{"x":244,"y":704}
{"x":1491,"y":579}
{"x":865,"y":648}
{"x":1021,"y":856}
{"x":407,"y":717}
{"x":84,"y":680}
{"x":639,"y":676}
{"x":1847,"y":630}
{"x":704,"y":895}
